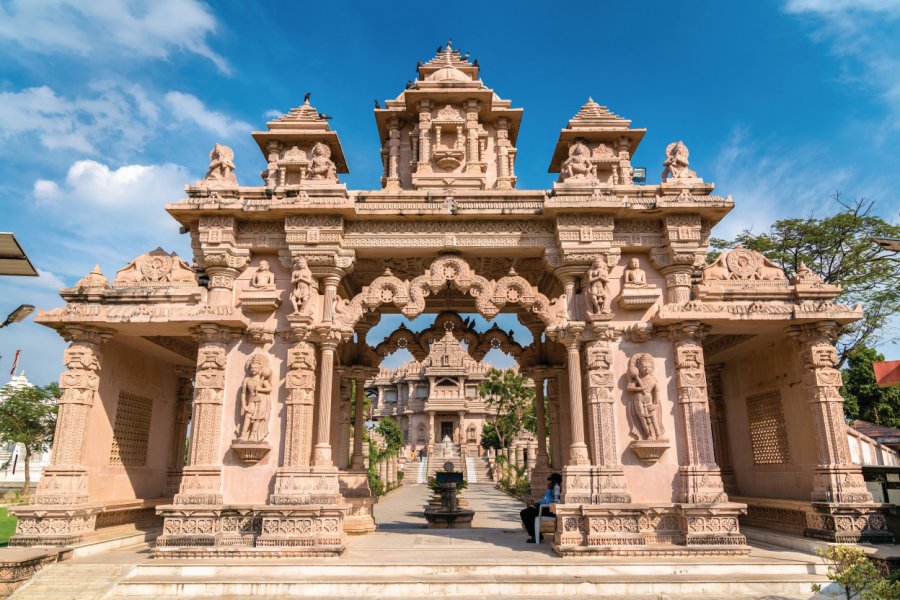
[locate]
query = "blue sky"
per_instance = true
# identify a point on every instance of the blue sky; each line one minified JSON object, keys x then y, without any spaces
{"x":108,"y":108}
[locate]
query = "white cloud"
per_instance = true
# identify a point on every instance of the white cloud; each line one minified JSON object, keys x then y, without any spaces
{"x":130,"y":188}
{"x":769,"y":181}
{"x":863,"y":35}
{"x":272,"y":113}
{"x":109,"y":29}
{"x":186,"y":107}
{"x":112,"y":117}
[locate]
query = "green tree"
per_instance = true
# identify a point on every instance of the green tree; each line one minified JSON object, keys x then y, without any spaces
{"x":28,"y":417}
{"x":508,"y":396}
{"x":840,"y":249}
{"x":859,"y":578}
{"x":392,"y":434}
{"x":863,"y":399}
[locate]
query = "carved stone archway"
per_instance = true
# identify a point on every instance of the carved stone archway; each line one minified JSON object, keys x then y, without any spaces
{"x":491,"y":296}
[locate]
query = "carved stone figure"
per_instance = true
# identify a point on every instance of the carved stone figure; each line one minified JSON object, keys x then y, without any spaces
{"x":221,"y":166}
{"x":256,"y":391}
{"x":644,"y":407}
{"x":805,"y":275}
{"x":635,"y":277}
{"x":743,"y":264}
{"x":676,"y":163}
{"x":578,"y":165}
{"x":263,"y":279}
{"x":303,"y":282}
{"x":321,"y":167}
{"x":157,"y":266}
{"x":598,"y":287}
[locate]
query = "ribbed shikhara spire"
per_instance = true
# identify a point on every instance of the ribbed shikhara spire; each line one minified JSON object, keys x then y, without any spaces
{"x":448,"y":56}
{"x":305,"y":113}
{"x":594,"y":115}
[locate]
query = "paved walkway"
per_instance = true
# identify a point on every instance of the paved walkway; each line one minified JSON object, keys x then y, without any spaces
{"x":403,"y":508}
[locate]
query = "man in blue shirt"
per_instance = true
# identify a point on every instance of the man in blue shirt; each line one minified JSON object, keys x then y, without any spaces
{"x":551,"y":496}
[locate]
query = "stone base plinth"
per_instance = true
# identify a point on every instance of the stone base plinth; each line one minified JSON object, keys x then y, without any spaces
{"x":360,"y":518}
{"x":18,"y":565}
{"x":638,"y":298}
{"x":250,"y":531}
{"x":53,"y":525}
{"x":250,"y":453}
{"x":847,"y":524}
{"x":445,"y":519}
{"x":260,"y":301}
{"x":633,"y":529}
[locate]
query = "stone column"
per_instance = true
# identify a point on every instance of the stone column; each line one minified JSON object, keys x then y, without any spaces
{"x":578,"y":450}
{"x":844,"y":508}
{"x":701,"y":480}
{"x":300,"y":383}
{"x":461,"y":419}
{"x":553,"y":405}
{"x":223,"y":267}
{"x":503,"y":180}
{"x":341,"y":409}
{"x":424,"y":165}
{"x":472,"y":127}
{"x":322,"y":450}
{"x":609,"y":477}
{"x":393,"y":175}
{"x":520,"y":454}
{"x":721,"y":445}
{"x":542,"y":459}
{"x":431,"y":432}
{"x":357,"y":461}
{"x":683,"y":234}
{"x":182,"y":416}
{"x":59,"y":512}
{"x":331,"y":280}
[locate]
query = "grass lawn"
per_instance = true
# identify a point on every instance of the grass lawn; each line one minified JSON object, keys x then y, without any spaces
{"x":7,"y":526}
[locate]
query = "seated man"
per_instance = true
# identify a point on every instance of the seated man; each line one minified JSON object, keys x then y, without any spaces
{"x":529,"y":513}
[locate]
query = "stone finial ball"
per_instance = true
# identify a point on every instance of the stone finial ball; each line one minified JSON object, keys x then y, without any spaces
{"x":448,"y":466}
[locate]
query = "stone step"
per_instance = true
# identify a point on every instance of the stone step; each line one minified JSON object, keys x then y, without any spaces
{"x":72,"y":581}
{"x":453,"y":586}
{"x":614,"y":568}
{"x":802,"y":596}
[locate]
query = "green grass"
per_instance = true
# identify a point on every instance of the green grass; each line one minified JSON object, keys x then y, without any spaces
{"x":7,"y":526}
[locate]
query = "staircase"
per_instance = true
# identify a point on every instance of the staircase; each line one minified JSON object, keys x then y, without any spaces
{"x":72,"y":581}
{"x":483,"y":468}
{"x":420,"y":474}
{"x":471,"y":476}
{"x":439,"y":457}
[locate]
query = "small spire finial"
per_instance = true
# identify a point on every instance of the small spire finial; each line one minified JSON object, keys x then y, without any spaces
{"x":306,"y":98}
{"x":590,"y":100}
{"x":449,"y":45}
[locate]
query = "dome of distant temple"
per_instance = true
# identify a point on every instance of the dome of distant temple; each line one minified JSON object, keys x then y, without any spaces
{"x":448,"y":74}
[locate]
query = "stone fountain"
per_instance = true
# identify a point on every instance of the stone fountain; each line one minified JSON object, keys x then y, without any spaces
{"x":449,"y":515}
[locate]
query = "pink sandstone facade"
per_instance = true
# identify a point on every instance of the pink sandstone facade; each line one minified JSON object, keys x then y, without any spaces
{"x":686,"y":398}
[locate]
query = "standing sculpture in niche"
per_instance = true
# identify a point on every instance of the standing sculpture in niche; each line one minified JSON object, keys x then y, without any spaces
{"x":256,"y":404}
{"x":598,"y":288}
{"x":676,"y":163}
{"x":263,"y":279}
{"x":578,"y":165}
{"x":303,"y":282}
{"x":321,"y":166}
{"x":644,"y":409}
{"x":221,"y":166}
{"x":646,"y":423}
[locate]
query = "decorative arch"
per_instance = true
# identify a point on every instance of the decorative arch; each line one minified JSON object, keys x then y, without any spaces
{"x":491,"y":296}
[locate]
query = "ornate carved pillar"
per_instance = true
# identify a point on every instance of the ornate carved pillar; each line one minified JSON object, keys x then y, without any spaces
{"x":202,"y":479}
{"x":222,"y":261}
{"x":685,"y":250}
{"x":357,"y":460}
{"x":542,"y":460}
{"x":182,"y":415}
{"x":300,"y":384}
{"x":719,"y":426}
{"x":843,"y":504}
{"x":322,"y":450}
{"x":431,"y":435}
{"x":424,"y":165}
{"x":331,"y":281}
{"x":701,"y":481}
{"x":341,"y":413}
{"x":473,"y":162}
{"x":59,"y":512}
{"x":555,"y":438}
{"x":608,"y":478}
{"x":393,"y":175}
{"x":504,"y":182}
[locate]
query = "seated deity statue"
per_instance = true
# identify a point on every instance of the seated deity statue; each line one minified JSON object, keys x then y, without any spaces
{"x":321,"y":166}
{"x":256,"y":391}
{"x":635,"y":277}
{"x":676,"y":163}
{"x":644,"y":407}
{"x":263,"y":279}
{"x":578,"y":165}
{"x":221,"y":165}
{"x":598,"y":286}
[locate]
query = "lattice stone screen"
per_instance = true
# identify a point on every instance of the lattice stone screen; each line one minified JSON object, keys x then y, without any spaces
{"x":131,"y":431}
{"x":767,"y":434}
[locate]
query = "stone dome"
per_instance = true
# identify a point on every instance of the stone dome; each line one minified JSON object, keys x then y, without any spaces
{"x":448,"y":74}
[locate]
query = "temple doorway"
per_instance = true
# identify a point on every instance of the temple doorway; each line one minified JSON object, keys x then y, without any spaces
{"x":446,"y":429}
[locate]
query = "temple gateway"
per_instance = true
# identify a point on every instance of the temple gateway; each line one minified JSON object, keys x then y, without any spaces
{"x":688,"y":399}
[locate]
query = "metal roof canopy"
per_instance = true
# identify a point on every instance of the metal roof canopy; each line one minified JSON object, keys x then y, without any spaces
{"x":13,"y":260}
